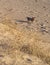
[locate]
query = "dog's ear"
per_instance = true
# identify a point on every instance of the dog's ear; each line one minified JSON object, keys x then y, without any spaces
{"x":32,"y":19}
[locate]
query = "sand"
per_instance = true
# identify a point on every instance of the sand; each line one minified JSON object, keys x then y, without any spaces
{"x":24,"y":42}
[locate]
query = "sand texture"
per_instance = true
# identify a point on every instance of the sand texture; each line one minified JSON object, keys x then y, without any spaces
{"x":24,"y":42}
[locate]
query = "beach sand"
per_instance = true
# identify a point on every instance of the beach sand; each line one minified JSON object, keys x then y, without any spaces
{"x":24,"y":42}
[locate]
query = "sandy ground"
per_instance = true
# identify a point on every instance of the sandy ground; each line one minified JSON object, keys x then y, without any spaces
{"x":23,"y":43}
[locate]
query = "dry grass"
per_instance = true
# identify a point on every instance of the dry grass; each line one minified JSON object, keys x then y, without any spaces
{"x":16,"y":41}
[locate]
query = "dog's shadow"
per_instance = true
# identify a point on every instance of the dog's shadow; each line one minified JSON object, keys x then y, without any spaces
{"x":22,"y":21}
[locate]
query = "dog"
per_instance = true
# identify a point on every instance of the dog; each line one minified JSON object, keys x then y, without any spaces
{"x":30,"y":19}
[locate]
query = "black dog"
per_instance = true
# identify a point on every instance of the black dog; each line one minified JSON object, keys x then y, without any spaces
{"x":30,"y":19}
